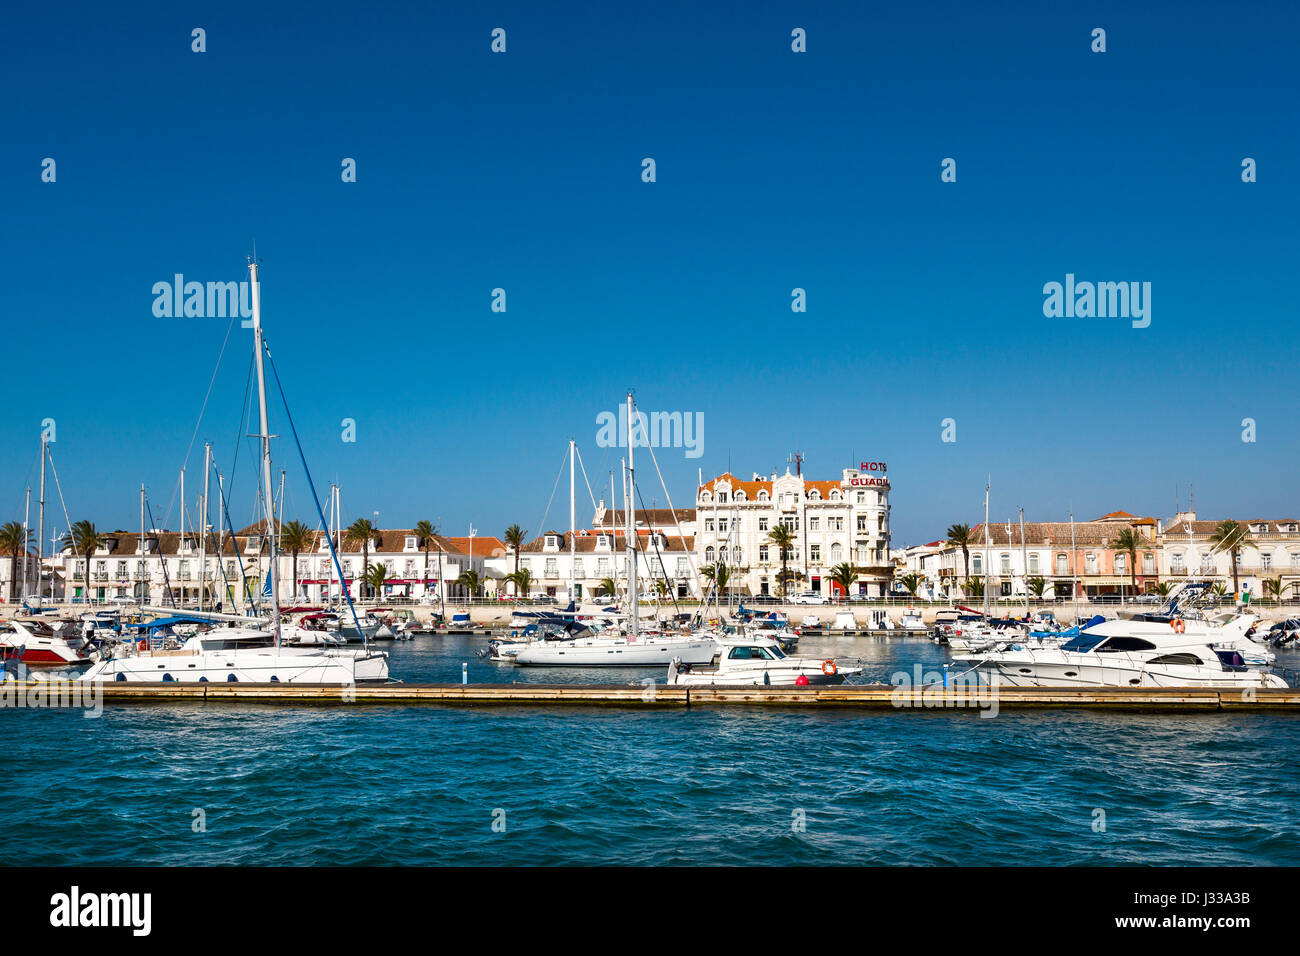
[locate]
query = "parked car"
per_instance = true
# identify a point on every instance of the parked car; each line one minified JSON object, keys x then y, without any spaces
{"x":762,"y":599}
{"x":808,"y":597}
{"x":1106,"y":599}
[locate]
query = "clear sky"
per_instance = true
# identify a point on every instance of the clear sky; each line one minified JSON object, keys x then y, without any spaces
{"x":775,"y":170}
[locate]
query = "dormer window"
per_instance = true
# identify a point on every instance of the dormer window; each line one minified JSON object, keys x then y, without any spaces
{"x":764,"y":496}
{"x":604,"y":541}
{"x":411,"y":543}
{"x":705,"y":496}
{"x":835,"y":496}
{"x":722,"y":497}
{"x":552,"y":541}
{"x":254,"y":543}
{"x":740,"y":496}
{"x":814,"y":495}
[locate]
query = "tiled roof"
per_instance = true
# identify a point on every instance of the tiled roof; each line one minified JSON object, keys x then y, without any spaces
{"x":1055,"y":534}
{"x":587,"y":543}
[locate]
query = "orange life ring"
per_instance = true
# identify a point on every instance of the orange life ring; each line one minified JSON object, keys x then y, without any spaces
{"x":831,"y":664}
{"x":1178,"y":625}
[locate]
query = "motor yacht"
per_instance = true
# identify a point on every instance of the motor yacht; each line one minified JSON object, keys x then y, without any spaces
{"x":749,"y":661}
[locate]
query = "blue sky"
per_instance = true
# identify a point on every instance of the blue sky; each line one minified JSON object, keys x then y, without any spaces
{"x":775,"y":170}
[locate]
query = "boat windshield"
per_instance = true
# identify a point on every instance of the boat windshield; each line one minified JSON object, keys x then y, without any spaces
{"x":1083,"y":643}
{"x":753,"y":653}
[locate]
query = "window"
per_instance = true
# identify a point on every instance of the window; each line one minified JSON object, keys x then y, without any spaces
{"x":1033,"y":562}
{"x":1266,"y":561}
{"x":1207,"y":563}
{"x":764,"y":496}
{"x":722,"y":524}
{"x":1148,"y":564}
{"x":1176,"y":659}
{"x":552,"y":541}
{"x":835,"y":524}
{"x":790,"y":523}
{"x":602,"y":567}
{"x":1090,"y":562}
{"x":708,"y":524}
{"x":1121,"y":564}
{"x":862,"y":497}
{"x":1005,"y":565}
{"x":722,"y":497}
{"x":551,"y":569}
{"x":815,"y":553}
{"x":603,"y":541}
{"x":835,"y":496}
{"x":837,"y":553}
{"x":814,"y":524}
{"x":410,"y":542}
{"x":736,"y":555}
{"x":578,"y":569}
{"x":1295,"y":561}
{"x":814,"y":495}
{"x":762,"y":554}
{"x":863,"y":551}
{"x":1176,"y":562}
{"x":977,"y":563}
{"x":740,"y":496}
{"x":683,"y":568}
{"x":709,"y":554}
{"x":1125,"y":644}
{"x":862,"y":522}
{"x":722,"y":555}
{"x":762,"y":524}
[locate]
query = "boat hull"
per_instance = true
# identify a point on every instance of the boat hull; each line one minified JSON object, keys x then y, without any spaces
{"x":647,"y":652}
{"x":284,"y":667}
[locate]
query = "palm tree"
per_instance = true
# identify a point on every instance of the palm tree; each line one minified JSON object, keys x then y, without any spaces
{"x":513,"y":536}
{"x":14,"y":538}
{"x":1230,"y":536}
{"x":84,"y":538}
{"x":719,"y":574}
{"x":362,"y":530}
{"x":845,"y":574}
{"x":911,"y":582}
{"x":1037,"y":585}
{"x":959,"y":537}
{"x":976,"y":586}
{"x":1219,"y":590}
{"x":374,"y":578}
{"x":296,"y":537}
{"x":1274,"y":587}
{"x":1163,"y":588}
{"x":661,"y":588}
{"x":425,"y":531}
{"x":609,"y":586}
{"x":783,"y":538}
{"x":522,"y":579}
{"x":1129,"y":540}
{"x":470,"y":581}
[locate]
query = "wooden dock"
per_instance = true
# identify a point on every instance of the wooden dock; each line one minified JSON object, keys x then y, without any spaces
{"x":861,"y":696}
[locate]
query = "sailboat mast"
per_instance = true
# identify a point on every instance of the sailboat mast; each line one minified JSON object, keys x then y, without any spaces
{"x":573,"y":528}
{"x":203,"y":524}
{"x":142,"y":577}
{"x":279,"y":522}
{"x":329,"y":533}
{"x":633,"y":593}
{"x":27,"y":536}
{"x":40,"y":537}
{"x":1024,"y":560}
{"x":1074,"y":569}
{"x":266,"y":442}
{"x":987,"y":542}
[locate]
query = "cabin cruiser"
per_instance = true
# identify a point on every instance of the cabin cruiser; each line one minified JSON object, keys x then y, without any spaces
{"x":748,"y":661}
{"x":912,"y":621}
{"x":231,"y":654}
{"x":460,"y":623}
{"x":1121,"y":654}
{"x":38,"y":645}
{"x":312,"y":630}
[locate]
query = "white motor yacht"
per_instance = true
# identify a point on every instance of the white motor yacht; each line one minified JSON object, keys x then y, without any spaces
{"x":38,"y":645}
{"x":616,"y":648}
{"x":1121,"y":654}
{"x":749,"y":661}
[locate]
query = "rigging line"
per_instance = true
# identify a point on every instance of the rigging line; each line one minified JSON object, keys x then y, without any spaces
{"x":320,"y":513}
{"x":162,"y":560}
{"x":62,"y":503}
{"x":590,"y":494}
{"x":240,"y":431}
{"x":541,"y":528}
{"x":208,"y":394}
{"x":671,"y":591}
{"x":690,"y":553}
{"x":230,"y":531}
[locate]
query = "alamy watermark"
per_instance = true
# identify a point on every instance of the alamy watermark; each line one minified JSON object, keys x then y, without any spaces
{"x":1102,"y":300}
{"x":653,"y":430}
{"x":931,"y":689}
{"x":53,"y":695}
{"x":202,"y":300}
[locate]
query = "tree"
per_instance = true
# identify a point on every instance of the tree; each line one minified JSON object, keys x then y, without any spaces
{"x":911,"y":582}
{"x":375,"y":577}
{"x":845,"y":574}
{"x":719,"y":574}
{"x":661,"y":589}
{"x":959,"y":537}
{"x":470,"y":581}
{"x":1163,"y":588}
{"x":783,"y":538}
{"x":14,"y":539}
{"x":1037,"y":585}
{"x":1274,"y":587}
{"x":1219,"y":591}
{"x":296,"y":537}
{"x":425,"y":531}
{"x":1230,"y":536}
{"x":1129,"y":541}
{"x":976,"y":586}
{"x":84,"y":538}
{"x":362,"y":530}
{"x":609,"y":586}
{"x":522,"y":579}
{"x":513,"y":536}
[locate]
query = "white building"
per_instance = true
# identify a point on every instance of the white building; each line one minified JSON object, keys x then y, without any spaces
{"x":833,"y":522}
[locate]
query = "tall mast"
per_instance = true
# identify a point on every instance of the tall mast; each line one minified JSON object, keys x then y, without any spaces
{"x":633,"y":593}
{"x":266,"y":443}
{"x":1074,"y":569}
{"x":27,"y":535}
{"x":987,"y":542}
{"x":40,"y":537}
{"x":329,"y":533}
{"x":573,"y":543}
{"x":1024,"y":560}
{"x":203,"y":523}
{"x":221,"y":535}
{"x":279,"y":523}
{"x":180,"y":543}
{"x":142,"y":580}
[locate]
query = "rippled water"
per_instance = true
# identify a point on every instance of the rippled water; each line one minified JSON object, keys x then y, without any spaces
{"x":423,"y":785}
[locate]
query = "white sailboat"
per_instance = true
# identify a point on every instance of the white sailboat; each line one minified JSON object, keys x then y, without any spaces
{"x":244,"y":653}
{"x":623,"y":646}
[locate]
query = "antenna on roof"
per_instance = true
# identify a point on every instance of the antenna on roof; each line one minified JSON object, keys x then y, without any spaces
{"x":797,"y":460}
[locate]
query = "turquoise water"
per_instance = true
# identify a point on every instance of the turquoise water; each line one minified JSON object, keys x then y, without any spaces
{"x":425,"y":785}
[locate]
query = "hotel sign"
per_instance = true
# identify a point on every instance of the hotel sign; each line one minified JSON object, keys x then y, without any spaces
{"x":866,"y":480}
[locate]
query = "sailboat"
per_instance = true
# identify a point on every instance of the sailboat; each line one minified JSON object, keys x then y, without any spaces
{"x":241,"y":652}
{"x":624,"y":646}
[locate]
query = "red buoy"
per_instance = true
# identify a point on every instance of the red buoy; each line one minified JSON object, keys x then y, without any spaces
{"x":801,"y":680}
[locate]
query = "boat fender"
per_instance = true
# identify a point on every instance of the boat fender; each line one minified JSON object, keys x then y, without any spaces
{"x":829,"y":668}
{"x":1178,"y":625}
{"x":801,"y":680}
